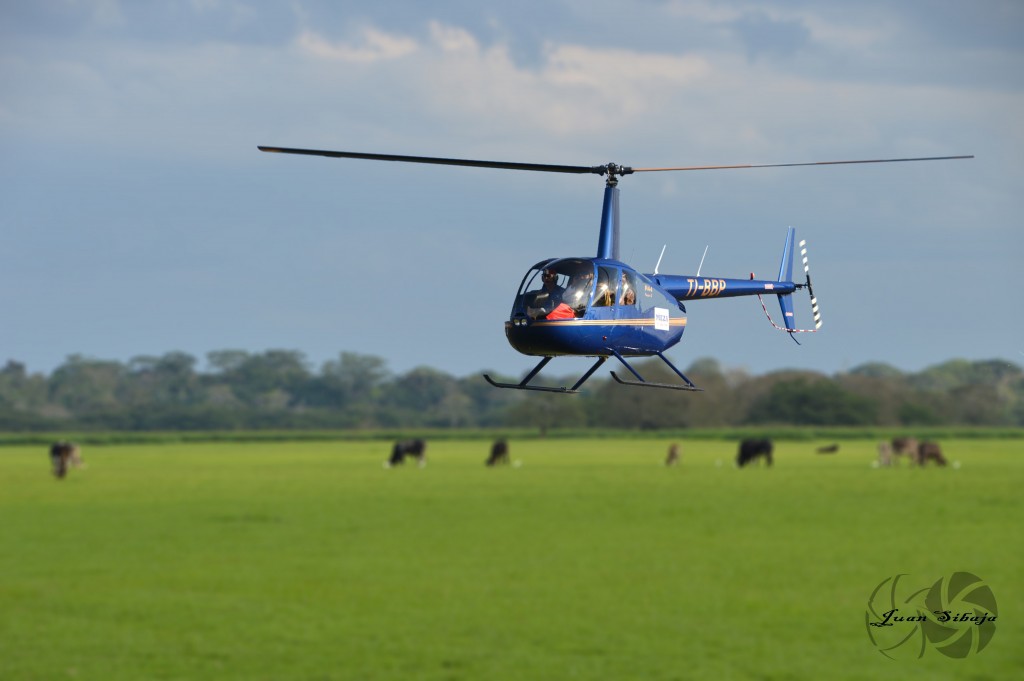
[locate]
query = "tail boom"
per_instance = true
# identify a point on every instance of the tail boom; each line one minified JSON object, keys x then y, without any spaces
{"x":688,"y":287}
{"x":684,"y":287}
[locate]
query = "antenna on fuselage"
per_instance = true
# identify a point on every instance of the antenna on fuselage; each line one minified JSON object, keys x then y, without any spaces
{"x":658,"y":264}
{"x":702,"y":259}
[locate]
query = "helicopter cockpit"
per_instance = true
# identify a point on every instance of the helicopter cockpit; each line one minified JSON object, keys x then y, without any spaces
{"x":573,"y":288}
{"x":556,"y":289}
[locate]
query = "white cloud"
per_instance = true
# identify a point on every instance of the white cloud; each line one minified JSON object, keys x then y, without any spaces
{"x":375,"y":46}
{"x":664,"y":108}
{"x":607,"y":70}
{"x":576,"y":89}
{"x":452,"y":39}
{"x":858,"y":30}
{"x":845,"y":35}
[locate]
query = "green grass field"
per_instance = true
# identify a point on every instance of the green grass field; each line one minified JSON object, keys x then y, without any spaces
{"x":590,"y":561}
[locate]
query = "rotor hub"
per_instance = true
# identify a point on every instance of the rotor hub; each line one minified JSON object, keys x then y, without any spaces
{"x":613,"y":171}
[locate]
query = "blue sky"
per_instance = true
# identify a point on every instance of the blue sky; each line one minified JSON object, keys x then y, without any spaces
{"x":137,"y":216}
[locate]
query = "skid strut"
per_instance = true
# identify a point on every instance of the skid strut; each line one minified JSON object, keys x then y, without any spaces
{"x":524,"y":384}
{"x":689,"y":385}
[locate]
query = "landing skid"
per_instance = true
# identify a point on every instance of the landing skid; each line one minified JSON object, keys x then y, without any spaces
{"x":520,"y":386}
{"x":689,"y":385}
{"x":650,"y":384}
{"x":524,"y":384}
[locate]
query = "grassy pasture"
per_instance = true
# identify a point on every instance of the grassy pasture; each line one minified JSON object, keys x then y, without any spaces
{"x":593,"y":561}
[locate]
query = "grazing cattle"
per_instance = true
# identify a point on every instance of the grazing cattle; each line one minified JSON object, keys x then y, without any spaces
{"x":830,"y":449}
{"x":754,"y":449}
{"x":416,"y":449}
{"x":930,"y":451}
{"x":499,"y":453}
{"x":62,"y":455}
{"x":918,"y":453}
{"x":904,"y":446}
{"x":673,"y":455}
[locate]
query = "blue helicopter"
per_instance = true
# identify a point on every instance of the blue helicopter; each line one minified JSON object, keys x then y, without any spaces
{"x":601,"y":307}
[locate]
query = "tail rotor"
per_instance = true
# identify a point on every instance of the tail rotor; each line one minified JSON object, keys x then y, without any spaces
{"x":807,"y":273}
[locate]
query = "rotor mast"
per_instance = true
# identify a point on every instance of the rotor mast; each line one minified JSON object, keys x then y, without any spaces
{"x":608,"y":238}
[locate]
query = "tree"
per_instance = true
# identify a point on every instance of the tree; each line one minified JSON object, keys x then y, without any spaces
{"x":352,"y":380}
{"x":488,"y":405}
{"x":877,"y":370}
{"x":83,"y":385}
{"x":816,"y":402}
{"x":979,"y":405}
{"x":226,"y":361}
{"x":19,"y":390}
{"x":267,"y":380}
{"x":545,"y":411}
{"x":167,"y":380}
{"x":422,"y":396}
{"x":617,"y":406}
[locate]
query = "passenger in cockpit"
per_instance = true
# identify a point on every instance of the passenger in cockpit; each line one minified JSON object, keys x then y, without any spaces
{"x":628,"y":296}
{"x":605,"y":295}
{"x":577,"y":296}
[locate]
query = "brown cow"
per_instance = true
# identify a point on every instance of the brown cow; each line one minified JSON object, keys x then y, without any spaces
{"x":930,"y":451}
{"x":918,"y":453}
{"x":904,"y":446}
{"x":673,"y":455}
{"x":62,"y":455}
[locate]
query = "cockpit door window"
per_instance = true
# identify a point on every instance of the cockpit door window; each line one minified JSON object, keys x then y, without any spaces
{"x":607,"y":285}
{"x":559,"y":289}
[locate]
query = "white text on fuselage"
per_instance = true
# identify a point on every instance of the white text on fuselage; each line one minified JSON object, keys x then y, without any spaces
{"x":704,"y":288}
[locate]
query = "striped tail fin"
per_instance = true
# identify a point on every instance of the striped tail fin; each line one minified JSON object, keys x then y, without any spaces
{"x":786,"y":299}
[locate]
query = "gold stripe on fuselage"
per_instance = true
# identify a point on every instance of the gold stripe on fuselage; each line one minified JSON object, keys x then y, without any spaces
{"x":675,"y":321}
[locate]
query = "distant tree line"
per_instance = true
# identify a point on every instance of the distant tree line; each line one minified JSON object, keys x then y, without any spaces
{"x":278,"y":389}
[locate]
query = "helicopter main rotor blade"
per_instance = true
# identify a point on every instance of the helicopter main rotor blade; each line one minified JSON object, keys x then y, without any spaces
{"x":790,"y":165}
{"x":541,"y":167}
{"x":612,"y":170}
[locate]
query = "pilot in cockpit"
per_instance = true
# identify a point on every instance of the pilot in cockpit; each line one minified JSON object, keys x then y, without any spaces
{"x":551,"y":287}
{"x":548,"y":297}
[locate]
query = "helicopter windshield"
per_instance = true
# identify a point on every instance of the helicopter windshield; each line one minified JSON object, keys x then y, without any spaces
{"x":558,"y":289}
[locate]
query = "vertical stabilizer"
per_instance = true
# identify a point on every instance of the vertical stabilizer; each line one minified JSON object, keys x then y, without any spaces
{"x":786,"y":267}
{"x":786,"y":274}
